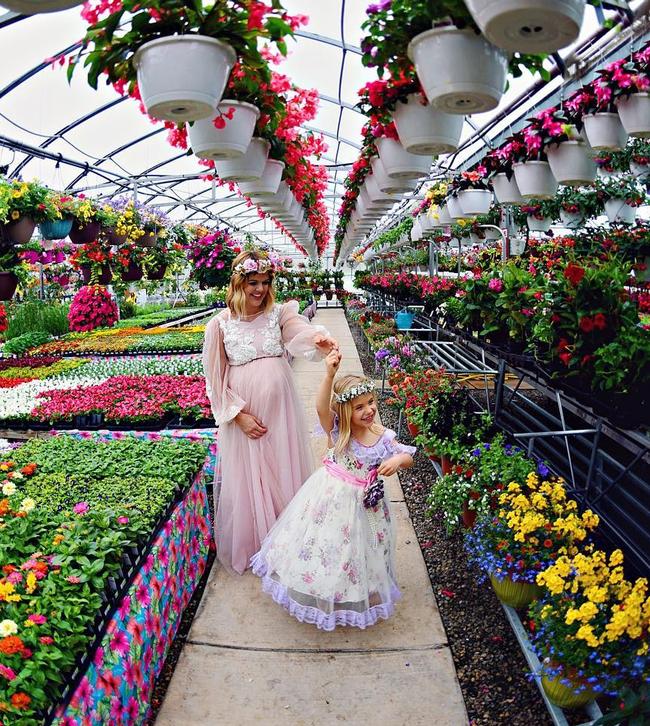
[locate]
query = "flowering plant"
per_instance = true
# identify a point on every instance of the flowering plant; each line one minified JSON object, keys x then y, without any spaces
{"x":612,"y":161}
{"x":579,"y":200}
{"x":95,"y":254}
{"x":20,"y":199}
{"x":533,"y":525}
{"x":128,"y":254}
{"x":625,"y":187}
{"x":92,"y":307}
{"x":34,"y":252}
{"x":54,"y":206}
{"x":591,"y":627}
{"x":469,"y":180}
{"x":398,"y":353}
{"x":212,"y":257}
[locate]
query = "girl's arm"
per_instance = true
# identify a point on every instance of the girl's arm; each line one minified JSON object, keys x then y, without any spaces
{"x":324,"y":395}
{"x":397,"y":461}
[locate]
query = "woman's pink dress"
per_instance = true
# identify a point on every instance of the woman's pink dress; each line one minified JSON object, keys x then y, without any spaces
{"x":246,"y":370}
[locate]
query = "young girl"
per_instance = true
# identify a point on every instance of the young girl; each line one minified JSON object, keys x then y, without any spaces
{"x":329,"y":558}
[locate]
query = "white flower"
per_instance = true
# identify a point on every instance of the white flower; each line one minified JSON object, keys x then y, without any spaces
{"x":8,"y":489}
{"x":27,"y":505}
{"x":17,"y":475}
{"x":8,"y":627}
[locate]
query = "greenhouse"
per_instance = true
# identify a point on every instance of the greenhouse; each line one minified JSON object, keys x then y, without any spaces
{"x":325,"y":362}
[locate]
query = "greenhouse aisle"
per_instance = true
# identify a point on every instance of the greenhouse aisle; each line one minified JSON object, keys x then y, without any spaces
{"x":247,"y":661}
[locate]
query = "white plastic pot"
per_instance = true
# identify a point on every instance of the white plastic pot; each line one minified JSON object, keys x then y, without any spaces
{"x":377,"y":206}
{"x":399,"y":163}
{"x":455,"y":209}
{"x":529,"y":26}
{"x":460,"y":71}
{"x":475,"y":201}
{"x":571,"y":163}
{"x":618,"y":210}
{"x":506,"y":190}
{"x":183,"y":77}
{"x":388,"y":185}
{"x":441,"y":216}
{"x":538,"y":225}
{"x":416,"y":231}
{"x":280,"y":200}
{"x":32,"y":7}
{"x":605,"y":131}
{"x":634,"y":112}
{"x":248,"y":167}
{"x":268,"y":183}
{"x":571,"y":220}
{"x":423,"y":129}
{"x":375,"y":193}
{"x":640,"y":171}
{"x":209,"y":142}
{"x":517,"y":245}
{"x":535,"y":179}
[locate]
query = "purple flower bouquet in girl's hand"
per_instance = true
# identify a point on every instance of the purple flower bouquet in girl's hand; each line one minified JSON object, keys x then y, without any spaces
{"x":374,"y":490}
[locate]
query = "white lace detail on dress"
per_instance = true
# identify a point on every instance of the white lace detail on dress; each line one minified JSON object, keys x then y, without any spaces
{"x":272,"y":334}
{"x":239,"y":346}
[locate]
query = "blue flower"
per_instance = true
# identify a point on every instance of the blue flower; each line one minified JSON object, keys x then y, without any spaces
{"x":542,"y":469}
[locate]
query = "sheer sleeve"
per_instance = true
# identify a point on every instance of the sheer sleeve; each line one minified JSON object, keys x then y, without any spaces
{"x":298,"y":333}
{"x":393,"y":446}
{"x":224,"y":403}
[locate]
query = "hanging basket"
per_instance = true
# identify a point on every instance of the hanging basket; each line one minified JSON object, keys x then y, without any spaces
{"x":8,"y":285}
{"x":55,"y":230}
{"x":104,"y":278}
{"x":529,"y":26}
{"x":515,"y":594}
{"x":535,"y":180}
{"x":388,"y":185}
{"x":132,"y":274}
{"x":18,"y":232}
{"x":230,"y":142}
{"x":475,"y":201}
{"x":82,"y":234}
{"x":571,"y":220}
{"x":571,"y":163}
{"x":640,"y":171}
{"x":538,"y":225}
{"x":422,"y":129}
{"x":454,"y":208}
{"x":460,"y":71}
{"x":444,"y":216}
{"x":619,"y":211}
{"x":605,"y":131}
{"x":634,"y":112}
{"x":182,"y":77}
{"x":246,"y":168}
{"x":148,"y":239}
{"x":375,"y":193}
{"x":157,"y":273}
{"x":33,"y":7}
{"x":399,"y":163}
{"x":112,"y":237}
{"x":269,"y":182}
{"x":506,"y":190}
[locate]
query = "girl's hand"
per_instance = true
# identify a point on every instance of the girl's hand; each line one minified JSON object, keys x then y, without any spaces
{"x":390,"y":466}
{"x":325,"y":344}
{"x":250,"y":425}
{"x":332,"y":361}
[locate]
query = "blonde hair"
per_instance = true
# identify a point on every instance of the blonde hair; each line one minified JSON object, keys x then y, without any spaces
{"x":344,"y":411}
{"x":236,"y":297}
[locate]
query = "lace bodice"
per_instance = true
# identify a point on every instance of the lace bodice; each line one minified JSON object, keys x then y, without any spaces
{"x":247,"y":341}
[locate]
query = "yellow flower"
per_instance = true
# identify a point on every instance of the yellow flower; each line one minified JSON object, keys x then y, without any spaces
{"x":586,"y":633}
{"x":58,"y":538}
{"x":8,"y":593}
{"x":27,"y":505}
{"x":30,"y":583}
{"x":15,"y":215}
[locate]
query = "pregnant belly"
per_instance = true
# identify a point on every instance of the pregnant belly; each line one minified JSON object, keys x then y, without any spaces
{"x":264,"y":383}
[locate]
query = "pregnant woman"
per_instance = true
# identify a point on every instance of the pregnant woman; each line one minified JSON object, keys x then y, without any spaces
{"x":264,"y":448}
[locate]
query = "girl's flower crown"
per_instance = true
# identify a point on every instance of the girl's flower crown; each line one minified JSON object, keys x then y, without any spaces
{"x":357,"y":390}
{"x":272,"y":263}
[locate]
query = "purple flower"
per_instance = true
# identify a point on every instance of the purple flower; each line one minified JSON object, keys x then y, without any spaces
{"x":394,"y":361}
{"x":381,"y":354}
{"x":542,"y":469}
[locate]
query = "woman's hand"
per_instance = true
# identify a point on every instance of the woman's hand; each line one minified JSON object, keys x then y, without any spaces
{"x":325,"y":344}
{"x":250,"y":425}
{"x":390,"y":466}
{"x":332,"y":361}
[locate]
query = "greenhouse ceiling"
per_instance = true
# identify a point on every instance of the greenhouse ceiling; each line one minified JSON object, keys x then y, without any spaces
{"x":96,"y":142}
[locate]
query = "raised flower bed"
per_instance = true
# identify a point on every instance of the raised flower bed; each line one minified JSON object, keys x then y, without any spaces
{"x":121,"y":546}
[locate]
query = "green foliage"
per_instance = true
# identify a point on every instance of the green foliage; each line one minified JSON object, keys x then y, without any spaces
{"x":21,"y":344}
{"x":50,"y":317}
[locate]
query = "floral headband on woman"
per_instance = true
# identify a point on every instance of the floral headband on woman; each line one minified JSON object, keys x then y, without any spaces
{"x":265,"y":264}
{"x":358,"y":389}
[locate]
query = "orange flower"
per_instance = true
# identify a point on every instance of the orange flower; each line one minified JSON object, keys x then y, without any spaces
{"x":11,"y":644}
{"x":28,"y":469}
{"x":4,"y":506}
{"x":20,"y":700}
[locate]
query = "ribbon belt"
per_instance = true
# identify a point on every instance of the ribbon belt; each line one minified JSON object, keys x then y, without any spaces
{"x":342,"y":473}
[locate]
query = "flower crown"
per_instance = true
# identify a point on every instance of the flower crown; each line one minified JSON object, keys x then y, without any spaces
{"x":359,"y":389}
{"x":270,"y":264}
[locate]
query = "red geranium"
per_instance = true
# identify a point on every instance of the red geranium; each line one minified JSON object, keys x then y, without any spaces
{"x":574,"y":273}
{"x":586,"y":324}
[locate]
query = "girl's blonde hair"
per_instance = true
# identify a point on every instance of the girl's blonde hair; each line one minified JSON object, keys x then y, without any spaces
{"x":236,"y":297}
{"x":344,"y":411}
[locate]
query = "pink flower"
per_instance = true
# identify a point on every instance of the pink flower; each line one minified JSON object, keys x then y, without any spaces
{"x":73,"y":579}
{"x":37,"y":619}
{"x":7,"y":672}
{"x":46,"y":640}
{"x":495,"y":284}
{"x":120,"y":643}
{"x":122,"y":520}
{"x":81,"y":508}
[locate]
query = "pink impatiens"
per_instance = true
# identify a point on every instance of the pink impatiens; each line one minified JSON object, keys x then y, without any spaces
{"x":92,"y":307}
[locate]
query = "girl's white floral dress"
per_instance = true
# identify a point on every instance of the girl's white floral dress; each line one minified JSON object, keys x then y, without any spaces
{"x":328,"y":559}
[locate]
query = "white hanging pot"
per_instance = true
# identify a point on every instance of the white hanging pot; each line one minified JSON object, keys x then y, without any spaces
{"x":640,"y":171}
{"x":492,"y":234}
{"x":416,"y":231}
{"x":209,"y":142}
{"x":618,"y":210}
{"x":517,"y":245}
{"x":604,"y":174}
{"x":634,"y":112}
{"x":423,"y":129}
{"x":571,"y":220}
{"x":529,"y":26}
{"x":538,"y":225}
{"x":399,"y":163}
{"x":454,"y":208}
{"x":605,"y":131}
{"x":268,"y":183}
{"x":375,"y":193}
{"x":441,"y":216}
{"x":571,"y":163}
{"x":475,"y":201}
{"x":380,"y":205}
{"x":183,"y":77}
{"x":32,"y":7}
{"x":535,"y":179}
{"x":506,"y":190}
{"x":460,"y":71}
{"x":388,"y":185}
{"x":248,"y":167}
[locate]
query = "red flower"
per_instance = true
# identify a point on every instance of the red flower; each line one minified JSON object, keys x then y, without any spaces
{"x":586,"y":324}
{"x":565,"y":358}
{"x":574,"y":273}
{"x":600,"y":321}
{"x":548,"y":543}
{"x":20,"y":701}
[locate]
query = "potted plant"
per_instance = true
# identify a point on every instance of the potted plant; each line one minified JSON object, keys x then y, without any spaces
{"x":211,"y":257}
{"x":12,"y":272}
{"x":595,"y":104}
{"x":94,"y":261}
{"x":567,"y":152}
{"x":577,"y":205}
{"x":621,"y":198}
{"x":630,"y":81}
{"x":640,"y":159}
{"x":129,"y":259}
{"x":85,"y":224}
{"x":611,"y":163}
{"x":18,"y":204}
{"x":54,"y":215}
{"x":540,"y":213}
{"x":474,"y":193}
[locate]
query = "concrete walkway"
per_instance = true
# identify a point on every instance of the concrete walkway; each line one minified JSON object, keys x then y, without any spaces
{"x":247,"y":662}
